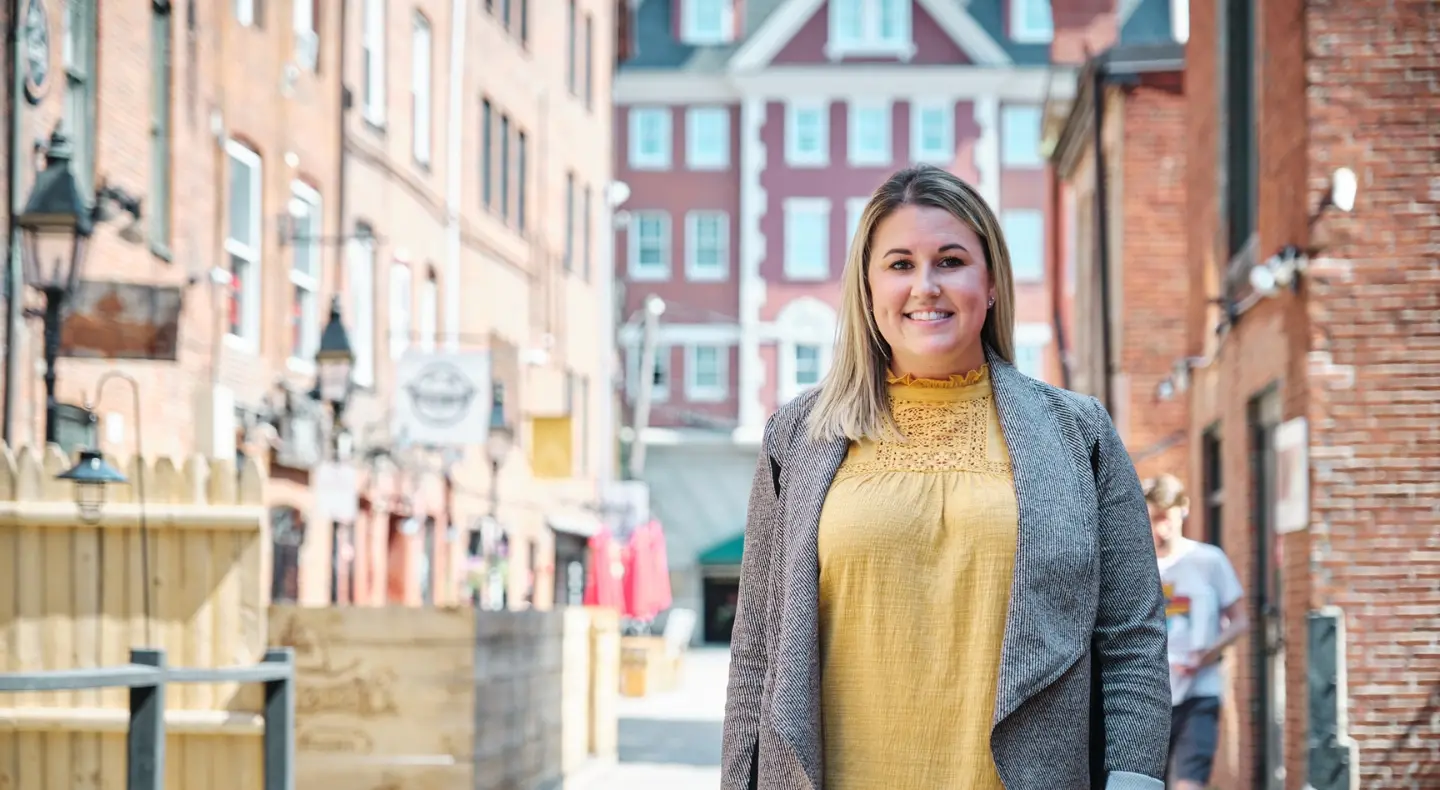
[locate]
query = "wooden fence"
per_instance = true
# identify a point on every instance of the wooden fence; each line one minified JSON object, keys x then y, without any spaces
{"x":72,"y":597}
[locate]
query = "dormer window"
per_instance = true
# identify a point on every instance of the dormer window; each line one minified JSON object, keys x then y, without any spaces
{"x":707,"y":21}
{"x":870,"y":27}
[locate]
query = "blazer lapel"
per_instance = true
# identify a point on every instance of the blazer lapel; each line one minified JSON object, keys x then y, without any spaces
{"x":1053,"y":595}
{"x":805,"y":479}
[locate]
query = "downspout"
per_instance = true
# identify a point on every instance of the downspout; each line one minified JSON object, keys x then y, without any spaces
{"x":345,"y":102}
{"x":454,"y":183}
{"x":1057,"y":285}
{"x":1102,"y":240}
{"x":13,"y":272}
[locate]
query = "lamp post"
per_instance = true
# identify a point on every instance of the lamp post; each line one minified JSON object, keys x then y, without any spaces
{"x":334,"y":367}
{"x":55,"y":228}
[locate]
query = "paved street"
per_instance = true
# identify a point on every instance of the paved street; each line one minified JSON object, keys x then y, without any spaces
{"x":671,"y":741}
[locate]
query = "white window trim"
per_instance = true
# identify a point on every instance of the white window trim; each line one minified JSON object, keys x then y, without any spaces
{"x":363,"y":256}
{"x":854,"y":207}
{"x":249,"y":337}
{"x":790,"y":386}
{"x":694,"y":392}
{"x":638,"y":159}
{"x":310,"y":328}
{"x":870,"y":43}
{"x":1180,"y":20}
{"x":244,"y":12}
{"x":657,"y":273}
{"x":691,"y":34}
{"x":421,"y":87}
{"x":858,"y":158}
{"x":659,"y":393}
{"x":807,"y":205}
{"x":693,"y":271}
{"x":373,"y":41}
{"x":1010,"y":157}
{"x":695,"y":158}
{"x":794,"y":157}
{"x":429,"y":322}
{"x":307,"y":40}
{"x":1015,"y":271}
{"x":1021,"y":33}
{"x":946,"y":154}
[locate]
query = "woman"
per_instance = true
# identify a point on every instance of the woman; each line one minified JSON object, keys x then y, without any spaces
{"x":949,"y":581}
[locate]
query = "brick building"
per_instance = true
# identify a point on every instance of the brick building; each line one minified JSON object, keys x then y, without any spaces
{"x":1119,"y":231}
{"x":286,"y":152}
{"x":1307,"y":373}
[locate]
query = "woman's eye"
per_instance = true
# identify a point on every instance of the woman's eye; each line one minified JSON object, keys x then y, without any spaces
{"x":901,"y":264}
{"x":952,"y":262}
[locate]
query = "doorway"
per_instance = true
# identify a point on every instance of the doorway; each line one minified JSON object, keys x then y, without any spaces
{"x":721,"y":595}
{"x":1263,"y":417}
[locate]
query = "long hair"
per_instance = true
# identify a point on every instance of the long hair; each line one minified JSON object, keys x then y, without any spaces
{"x":854,"y":401}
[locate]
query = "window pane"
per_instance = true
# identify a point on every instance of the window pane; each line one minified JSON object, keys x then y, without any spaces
{"x":707,"y":367}
{"x":242,"y":193}
{"x":239,"y":283}
{"x":807,"y":365}
{"x":1020,"y":127}
{"x":1025,"y":234}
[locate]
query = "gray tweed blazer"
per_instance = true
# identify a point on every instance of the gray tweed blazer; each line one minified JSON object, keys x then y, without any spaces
{"x":1083,"y":699}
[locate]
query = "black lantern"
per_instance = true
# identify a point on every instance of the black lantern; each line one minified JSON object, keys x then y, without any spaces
{"x":501,"y":436}
{"x":91,"y":474}
{"x":334,"y":361}
{"x":55,"y":225}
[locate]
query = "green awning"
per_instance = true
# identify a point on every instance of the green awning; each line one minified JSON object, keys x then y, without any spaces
{"x":726,"y":553}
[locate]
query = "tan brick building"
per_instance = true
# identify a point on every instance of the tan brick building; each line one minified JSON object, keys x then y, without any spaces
{"x":285,"y":152}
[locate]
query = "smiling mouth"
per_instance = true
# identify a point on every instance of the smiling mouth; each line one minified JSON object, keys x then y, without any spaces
{"x":929,"y":315}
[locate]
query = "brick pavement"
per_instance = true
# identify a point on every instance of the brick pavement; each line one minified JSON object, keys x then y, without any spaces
{"x":670,"y":741}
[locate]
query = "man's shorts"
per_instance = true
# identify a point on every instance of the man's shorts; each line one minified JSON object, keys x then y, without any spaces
{"x":1194,"y":732}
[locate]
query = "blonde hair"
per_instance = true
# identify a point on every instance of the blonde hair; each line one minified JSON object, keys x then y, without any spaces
{"x":1165,"y":491}
{"x":854,"y":401}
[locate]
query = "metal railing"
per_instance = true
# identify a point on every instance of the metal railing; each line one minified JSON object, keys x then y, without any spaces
{"x":146,"y":676}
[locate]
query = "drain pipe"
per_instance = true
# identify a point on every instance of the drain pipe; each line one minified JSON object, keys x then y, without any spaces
{"x":14,"y":280}
{"x":454,"y":184}
{"x":1102,"y":237}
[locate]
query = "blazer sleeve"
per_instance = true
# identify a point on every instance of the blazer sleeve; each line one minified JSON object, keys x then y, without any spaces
{"x":1130,"y":622}
{"x":749,"y":647}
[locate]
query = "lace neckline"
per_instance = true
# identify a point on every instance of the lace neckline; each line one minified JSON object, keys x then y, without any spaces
{"x":955,"y":381}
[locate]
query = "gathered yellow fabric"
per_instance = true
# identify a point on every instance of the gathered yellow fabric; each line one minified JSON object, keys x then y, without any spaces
{"x":917,"y":553}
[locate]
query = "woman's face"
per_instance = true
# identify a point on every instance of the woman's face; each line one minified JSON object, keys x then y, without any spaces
{"x":931,"y":287}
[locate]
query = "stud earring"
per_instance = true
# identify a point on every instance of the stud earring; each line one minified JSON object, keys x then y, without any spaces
{"x":992,"y":302}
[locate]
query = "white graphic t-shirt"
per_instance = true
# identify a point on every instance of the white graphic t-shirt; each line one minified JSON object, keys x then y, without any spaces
{"x":1199,"y":584}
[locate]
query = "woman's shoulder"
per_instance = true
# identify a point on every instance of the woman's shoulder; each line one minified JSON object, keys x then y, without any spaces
{"x":1086,"y":410}
{"x":789,"y":421}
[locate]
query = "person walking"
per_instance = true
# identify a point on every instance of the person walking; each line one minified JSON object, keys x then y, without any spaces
{"x":1205,"y":614}
{"x":948,"y":580}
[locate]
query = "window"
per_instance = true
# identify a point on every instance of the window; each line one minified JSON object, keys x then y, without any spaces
{"x":570,"y":45}
{"x":863,"y":26}
{"x":932,"y":132}
{"x":429,"y":313}
{"x":808,"y":366}
{"x":79,"y":44}
{"x":400,"y":306}
{"x":1024,"y":231}
{"x":420,"y":89}
{"x":504,"y":195}
{"x":309,"y":230}
{"x":1020,"y":136}
{"x":854,"y":208}
{"x":524,"y":21}
{"x":585,"y":239}
{"x":650,"y":138}
{"x":705,"y":21}
{"x":361,"y":274}
{"x":1239,"y":125}
{"x":707,"y":248}
{"x":589,"y":64}
{"x":161,"y":73}
{"x":1213,"y":482}
{"x":870,"y":133}
{"x":245,"y":12}
{"x":522,"y":148}
{"x":569,"y":222}
{"x":1030,"y":359}
{"x":649,"y":245}
{"x":242,"y":244}
{"x":487,"y":153}
{"x":372,"y":58}
{"x":807,"y":238}
{"x":807,"y":134}
{"x":707,"y":138}
{"x":1030,"y":21}
{"x":705,"y":373}
{"x":307,"y":40}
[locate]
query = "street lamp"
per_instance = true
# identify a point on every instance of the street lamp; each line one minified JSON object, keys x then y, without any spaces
{"x":498,"y":441}
{"x":55,"y":228}
{"x":334,"y":364}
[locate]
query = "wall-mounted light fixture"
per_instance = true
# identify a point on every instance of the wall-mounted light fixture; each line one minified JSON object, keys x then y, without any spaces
{"x":1283,"y":269}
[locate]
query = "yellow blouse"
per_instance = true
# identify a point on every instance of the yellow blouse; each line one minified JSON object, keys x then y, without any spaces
{"x":917,"y":551}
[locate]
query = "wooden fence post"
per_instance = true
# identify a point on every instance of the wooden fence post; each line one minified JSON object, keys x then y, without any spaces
{"x":145,"y":741}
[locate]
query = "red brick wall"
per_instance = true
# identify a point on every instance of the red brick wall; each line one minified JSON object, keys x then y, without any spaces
{"x":1152,"y":199}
